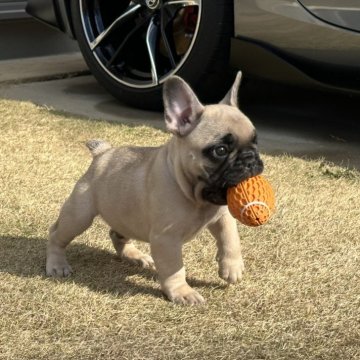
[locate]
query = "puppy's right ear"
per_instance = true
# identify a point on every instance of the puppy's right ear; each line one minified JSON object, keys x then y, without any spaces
{"x":182,"y":108}
{"x":231,"y":98}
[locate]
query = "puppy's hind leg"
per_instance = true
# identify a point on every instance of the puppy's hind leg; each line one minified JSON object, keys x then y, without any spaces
{"x":76,"y":215}
{"x":127,"y":251}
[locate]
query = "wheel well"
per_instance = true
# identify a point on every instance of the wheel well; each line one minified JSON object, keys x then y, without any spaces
{"x":62,"y":8}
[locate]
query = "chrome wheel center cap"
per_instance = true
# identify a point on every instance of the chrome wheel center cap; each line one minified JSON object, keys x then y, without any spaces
{"x":152,"y":4}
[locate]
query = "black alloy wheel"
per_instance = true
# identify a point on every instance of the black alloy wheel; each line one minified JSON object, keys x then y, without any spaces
{"x":132,"y":47}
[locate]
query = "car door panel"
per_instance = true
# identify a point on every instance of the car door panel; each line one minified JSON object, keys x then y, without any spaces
{"x":287,"y":29}
{"x":344,"y":13}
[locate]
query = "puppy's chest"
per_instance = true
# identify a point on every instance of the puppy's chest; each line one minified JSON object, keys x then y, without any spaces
{"x":197,"y":222}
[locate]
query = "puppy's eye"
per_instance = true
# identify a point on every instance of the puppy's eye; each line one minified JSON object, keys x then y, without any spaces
{"x":221,"y":151}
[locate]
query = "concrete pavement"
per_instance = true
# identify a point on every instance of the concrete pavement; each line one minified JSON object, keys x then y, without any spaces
{"x":42,"y":68}
{"x":302,"y":124}
{"x":22,"y":36}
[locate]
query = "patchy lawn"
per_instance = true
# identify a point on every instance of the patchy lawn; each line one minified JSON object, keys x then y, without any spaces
{"x":300,"y":297}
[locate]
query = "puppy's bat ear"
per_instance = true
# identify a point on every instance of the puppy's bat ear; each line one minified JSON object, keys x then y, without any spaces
{"x":231,"y":97}
{"x":182,"y":108}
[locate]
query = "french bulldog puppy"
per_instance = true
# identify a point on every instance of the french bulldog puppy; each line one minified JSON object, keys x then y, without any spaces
{"x":166,"y":195}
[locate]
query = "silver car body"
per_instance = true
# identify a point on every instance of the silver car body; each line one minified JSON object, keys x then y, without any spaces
{"x":296,"y":41}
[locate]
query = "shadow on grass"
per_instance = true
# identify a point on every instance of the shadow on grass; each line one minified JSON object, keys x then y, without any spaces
{"x":97,"y":269}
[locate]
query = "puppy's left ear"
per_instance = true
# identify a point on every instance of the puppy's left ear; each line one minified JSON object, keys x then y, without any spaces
{"x":231,"y":97}
{"x":182,"y":108}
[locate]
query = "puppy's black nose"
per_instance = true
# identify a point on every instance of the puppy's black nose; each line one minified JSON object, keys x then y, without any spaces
{"x":248,"y":158}
{"x":251,"y":161}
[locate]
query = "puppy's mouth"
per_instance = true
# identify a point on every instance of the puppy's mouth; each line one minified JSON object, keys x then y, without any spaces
{"x":246,"y":165}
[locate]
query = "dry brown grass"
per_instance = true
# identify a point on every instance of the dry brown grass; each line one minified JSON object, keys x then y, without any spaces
{"x":299,"y":299}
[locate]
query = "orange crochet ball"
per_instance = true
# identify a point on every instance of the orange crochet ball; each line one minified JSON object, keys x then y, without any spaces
{"x":252,"y":201}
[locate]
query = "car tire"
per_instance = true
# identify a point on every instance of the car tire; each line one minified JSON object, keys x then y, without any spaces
{"x":204,"y":64}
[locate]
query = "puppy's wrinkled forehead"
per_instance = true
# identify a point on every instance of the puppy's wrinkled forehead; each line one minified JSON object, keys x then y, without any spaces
{"x":219,"y":120}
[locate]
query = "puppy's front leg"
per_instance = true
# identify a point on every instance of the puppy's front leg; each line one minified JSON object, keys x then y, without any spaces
{"x":231,"y":264}
{"x":167,"y":255}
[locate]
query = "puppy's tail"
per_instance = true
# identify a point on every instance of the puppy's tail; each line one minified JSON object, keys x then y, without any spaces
{"x":97,"y":147}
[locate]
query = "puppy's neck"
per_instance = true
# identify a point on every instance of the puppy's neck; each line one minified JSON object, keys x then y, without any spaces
{"x":178,"y":163}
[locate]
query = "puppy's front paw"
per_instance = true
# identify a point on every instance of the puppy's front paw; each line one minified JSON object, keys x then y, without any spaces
{"x":58,"y":267}
{"x":185,"y":295}
{"x":231,"y":270}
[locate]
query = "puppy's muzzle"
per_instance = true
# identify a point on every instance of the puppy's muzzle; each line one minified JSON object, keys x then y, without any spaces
{"x":247,"y":163}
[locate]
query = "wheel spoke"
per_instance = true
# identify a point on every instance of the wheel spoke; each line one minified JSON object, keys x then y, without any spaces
{"x":151,"y":40}
{"x":182,"y":3}
{"x":123,"y":17}
{"x":127,"y":37}
{"x":168,"y":42}
{"x":136,"y":45}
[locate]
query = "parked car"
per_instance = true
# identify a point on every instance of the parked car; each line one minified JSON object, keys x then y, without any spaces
{"x":132,"y":47}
